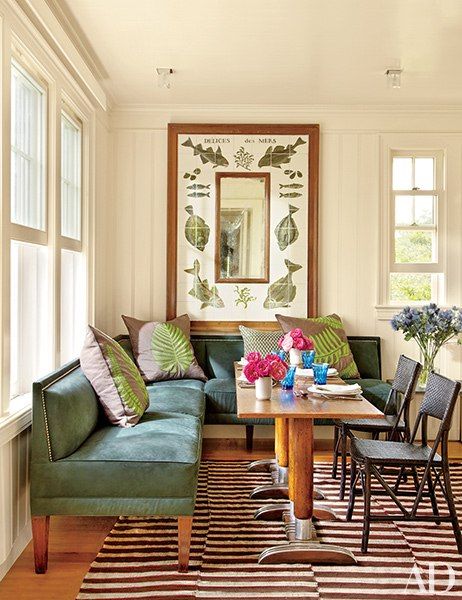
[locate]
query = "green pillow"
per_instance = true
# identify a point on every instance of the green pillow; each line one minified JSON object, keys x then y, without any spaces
{"x":115,"y":378}
{"x":329,"y":339}
{"x":256,"y":340}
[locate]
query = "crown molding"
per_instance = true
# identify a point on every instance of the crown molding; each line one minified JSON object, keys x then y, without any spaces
{"x":293,"y":109}
{"x":41,"y":18}
{"x":78,"y":37}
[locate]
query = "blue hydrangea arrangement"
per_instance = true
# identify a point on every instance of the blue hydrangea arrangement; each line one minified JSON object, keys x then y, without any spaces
{"x":431,"y":327}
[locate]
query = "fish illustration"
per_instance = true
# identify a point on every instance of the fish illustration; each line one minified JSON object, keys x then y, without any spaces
{"x":286,"y":230}
{"x":216,"y":158}
{"x":290,"y":195}
{"x":292,"y":186}
{"x":196,"y":230}
{"x":283,"y":291}
{"x":201,"y":289}
{"x":199,"y":195}
{"x":200,"y":186}
{"x":277,"y":156}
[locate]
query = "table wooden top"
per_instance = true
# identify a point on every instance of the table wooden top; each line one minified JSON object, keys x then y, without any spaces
{"x":285,"y":404}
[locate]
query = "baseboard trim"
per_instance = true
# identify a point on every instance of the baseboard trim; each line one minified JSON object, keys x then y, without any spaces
{"x":18,"y":547}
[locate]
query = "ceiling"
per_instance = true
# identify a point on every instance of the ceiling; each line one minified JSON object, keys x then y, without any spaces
{"x":275,"y":51}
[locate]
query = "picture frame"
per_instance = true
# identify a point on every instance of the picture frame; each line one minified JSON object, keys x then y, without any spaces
{"x":196,"y":154}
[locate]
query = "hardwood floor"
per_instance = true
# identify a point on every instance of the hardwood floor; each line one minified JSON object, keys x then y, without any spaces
{"x":74,"y":541}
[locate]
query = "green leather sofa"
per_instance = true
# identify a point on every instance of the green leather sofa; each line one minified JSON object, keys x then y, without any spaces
{"x":81,"y":465}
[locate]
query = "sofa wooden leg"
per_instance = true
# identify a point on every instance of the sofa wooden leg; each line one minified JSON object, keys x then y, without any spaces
{"x":249,"y":437}
{"x":40,"y":530}
{"x":184,"y":542}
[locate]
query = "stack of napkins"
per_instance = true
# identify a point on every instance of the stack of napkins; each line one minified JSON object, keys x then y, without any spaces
{"x":337,"y":390}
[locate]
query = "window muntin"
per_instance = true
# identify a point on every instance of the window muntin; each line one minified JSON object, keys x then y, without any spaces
{"x":71,"y":177}
{"x":28,"y":154}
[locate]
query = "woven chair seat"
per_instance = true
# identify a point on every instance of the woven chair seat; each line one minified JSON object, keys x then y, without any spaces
{"x":391,"y":453}
{"x":386,"y":423}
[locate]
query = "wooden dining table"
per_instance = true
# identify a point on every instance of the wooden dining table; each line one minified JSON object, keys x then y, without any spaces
{"x":294,"y":415}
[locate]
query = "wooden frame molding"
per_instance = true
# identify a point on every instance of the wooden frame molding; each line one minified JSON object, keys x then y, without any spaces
{"x":174,"y":130}
{"x":239,"y":175}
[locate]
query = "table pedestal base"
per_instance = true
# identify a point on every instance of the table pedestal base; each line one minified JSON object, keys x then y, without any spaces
{"x":278,"y":512}
{"x":262,"y":466}
{"x":304,"y":547}
{"x":315,"y":553}
{"x":275,"y":491}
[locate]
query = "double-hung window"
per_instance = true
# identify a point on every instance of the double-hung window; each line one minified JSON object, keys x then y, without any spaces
{"x":30,"y":352}
{"x":73,"y":279}
{"x":48,"y":274}
{"x":415,"y":242}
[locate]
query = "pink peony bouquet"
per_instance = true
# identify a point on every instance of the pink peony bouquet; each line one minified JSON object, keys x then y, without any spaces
{"x":269,"y":366}
{"x":295,"y":339}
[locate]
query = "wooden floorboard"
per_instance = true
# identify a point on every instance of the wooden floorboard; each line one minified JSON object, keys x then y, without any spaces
{"x":75,"y":541}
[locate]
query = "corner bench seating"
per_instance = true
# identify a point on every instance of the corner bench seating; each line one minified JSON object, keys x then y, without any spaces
{"x":81,"y":465}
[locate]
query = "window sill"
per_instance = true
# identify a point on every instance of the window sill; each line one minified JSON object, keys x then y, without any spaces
{"x":19,"y":419}
{"x":385,"y":312}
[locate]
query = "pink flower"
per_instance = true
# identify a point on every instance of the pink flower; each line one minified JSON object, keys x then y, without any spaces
{"x":262,"y":367}
{"x":309,"y":344}
{"x":253,"y":356}
{"x":278,"y":370}
{"x":287,"y":342}
{"x":296,"y":333}
{"x":300,"y":343}
{"x":280,"y":340}
{"x":250,"y":372}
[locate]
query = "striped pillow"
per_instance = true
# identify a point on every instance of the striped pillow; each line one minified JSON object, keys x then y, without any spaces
{"x":259,"y":341}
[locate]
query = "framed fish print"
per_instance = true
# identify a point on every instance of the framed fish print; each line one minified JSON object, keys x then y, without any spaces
{"x":242,"y":224}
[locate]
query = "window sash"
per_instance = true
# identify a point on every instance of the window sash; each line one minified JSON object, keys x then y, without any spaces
{"x":71,"y":177}
{"x":28,"y":149}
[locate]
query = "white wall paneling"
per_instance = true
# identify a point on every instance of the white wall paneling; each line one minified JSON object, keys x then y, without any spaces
{"x":351,"y":200}
{"x":14,"y":499}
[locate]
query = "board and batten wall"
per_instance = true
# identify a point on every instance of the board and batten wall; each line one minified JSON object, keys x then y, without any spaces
{"x":352,"y":196}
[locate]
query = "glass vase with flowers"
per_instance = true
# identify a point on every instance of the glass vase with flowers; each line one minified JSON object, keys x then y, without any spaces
{"x":431,"y":327}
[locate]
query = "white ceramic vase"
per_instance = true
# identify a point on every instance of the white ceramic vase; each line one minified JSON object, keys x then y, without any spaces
{"x":263,"y":387}
{"x":295,"y":356}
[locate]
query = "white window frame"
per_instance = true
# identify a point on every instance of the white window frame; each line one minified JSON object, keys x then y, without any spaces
{"x":33,"y":56}
{"x":409,"y":145}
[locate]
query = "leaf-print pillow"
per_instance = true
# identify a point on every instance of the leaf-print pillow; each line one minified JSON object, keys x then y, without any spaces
{"x":329,"y":339}
{"x":162,"y":350}
{"x":115,"y":378}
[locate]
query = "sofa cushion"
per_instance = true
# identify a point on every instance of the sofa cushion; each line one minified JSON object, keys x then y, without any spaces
{"x":163,"y":351}
{"x":114,"y":377}
{"x":183,"y":397}
{"x":374,"y":390}
{"x":329,"y":339}
{"x":71,"y":413}
{"x":220,"y":395}
{"x":157,"y":458}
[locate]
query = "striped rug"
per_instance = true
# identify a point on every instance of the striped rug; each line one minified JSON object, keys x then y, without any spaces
{"x":138,"y":558}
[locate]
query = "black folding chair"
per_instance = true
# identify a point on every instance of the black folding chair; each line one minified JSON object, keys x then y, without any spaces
{"x":395,"y":422}
{"x":368,"y":457}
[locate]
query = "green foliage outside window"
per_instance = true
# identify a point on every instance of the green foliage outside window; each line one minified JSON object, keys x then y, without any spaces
{"x":413,"y":247}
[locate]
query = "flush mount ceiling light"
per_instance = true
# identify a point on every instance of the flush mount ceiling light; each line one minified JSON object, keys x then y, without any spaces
{"x":164,"y":77}
{"x":394,"y":77}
